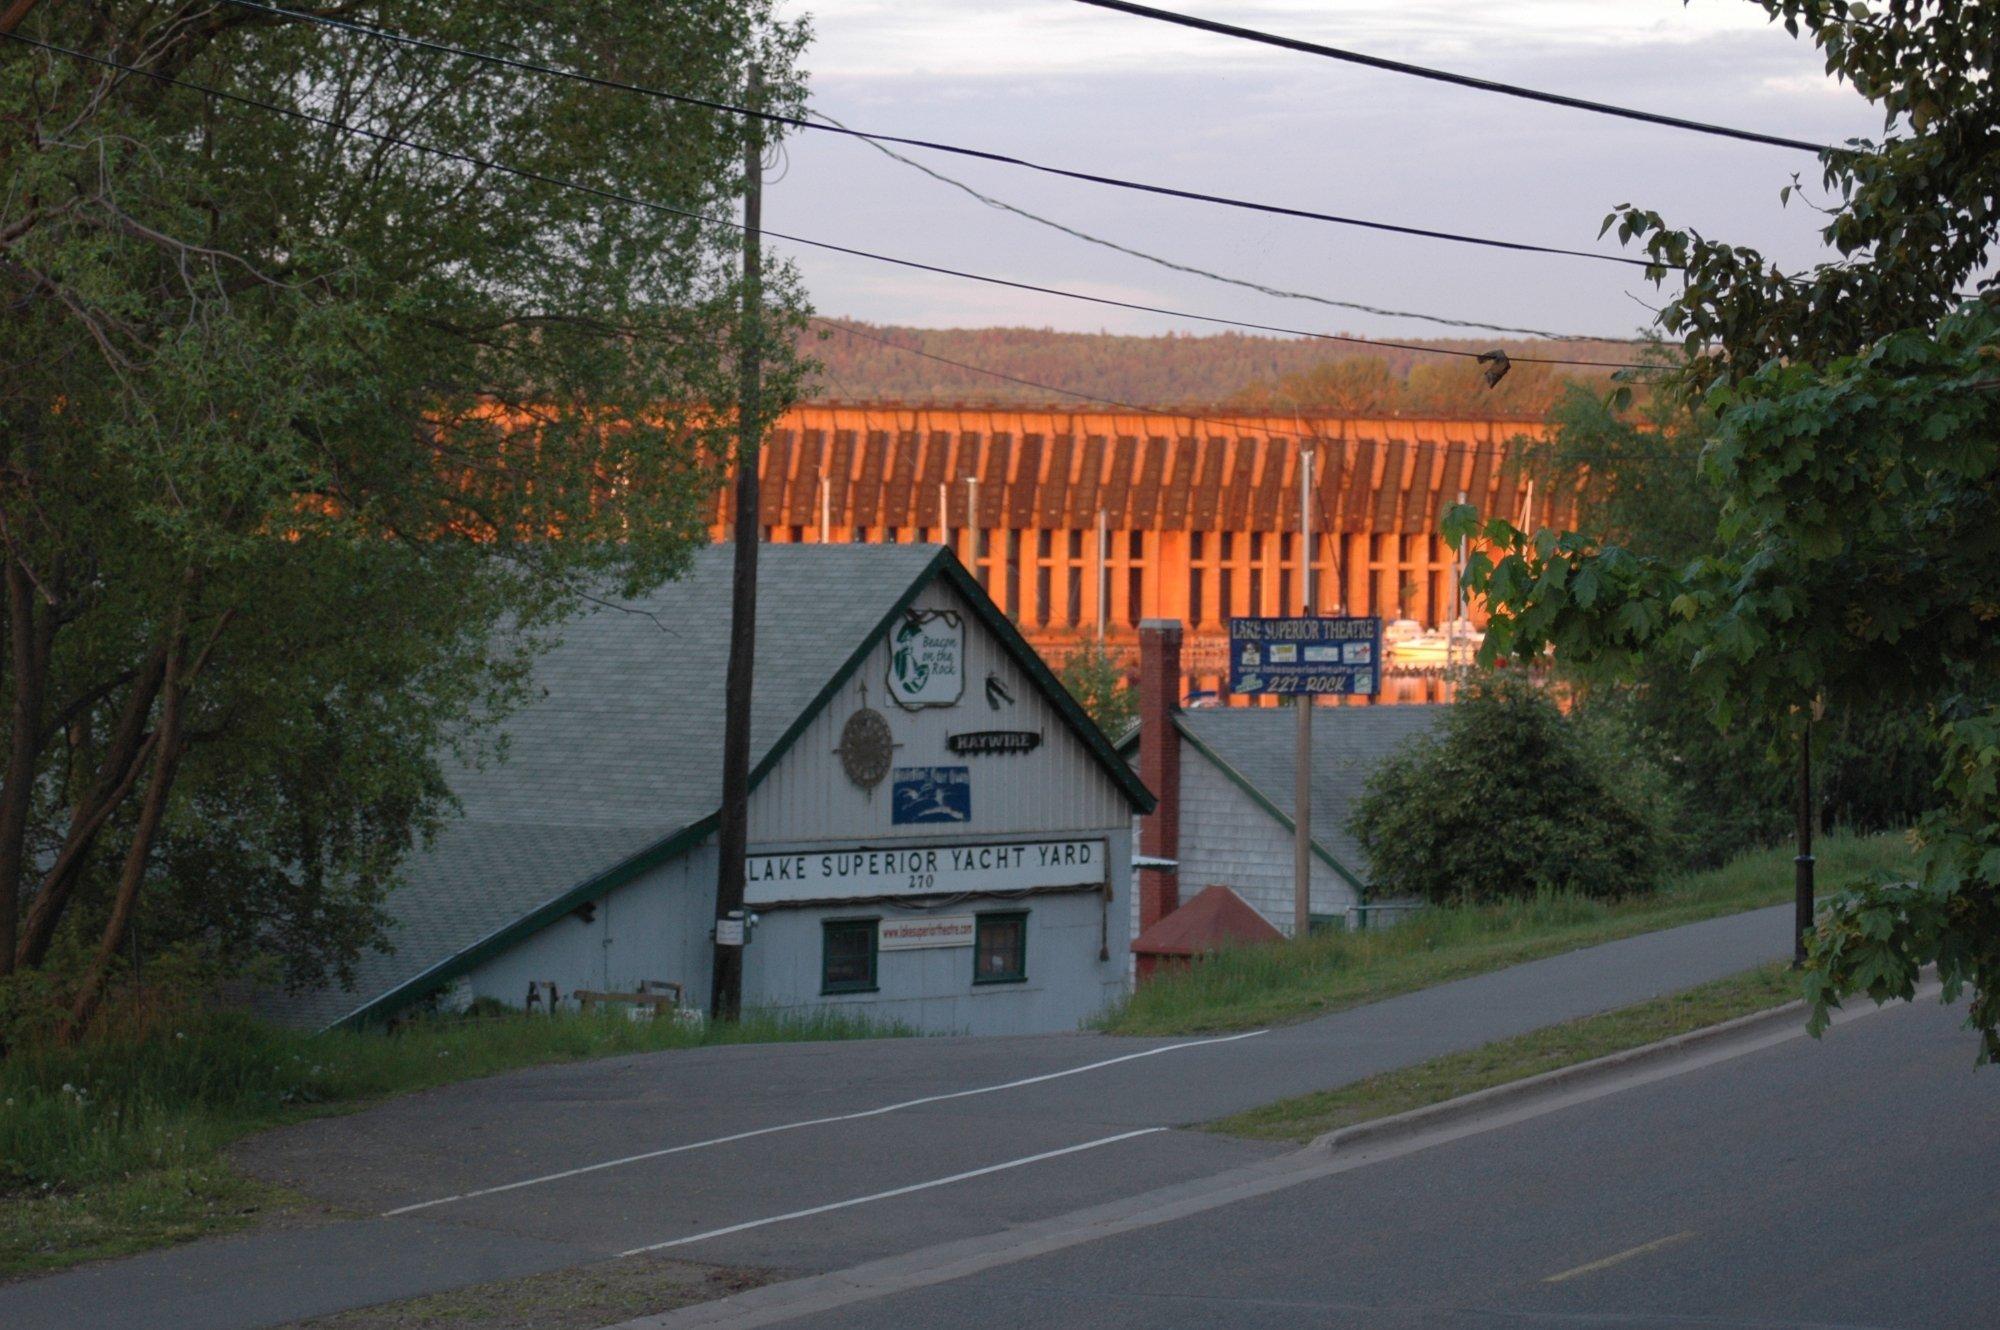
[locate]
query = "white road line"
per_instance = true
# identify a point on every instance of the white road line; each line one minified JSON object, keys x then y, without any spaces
{"x":894,"y":1191}
{"x":1618,"y":1258}
{"x":815,"y":1122}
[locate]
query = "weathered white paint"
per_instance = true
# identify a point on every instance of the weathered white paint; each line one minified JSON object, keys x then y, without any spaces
{"x":1057,"y":790}
{"x":652,"y":928}
{"x":1227,"y":837}
{"x":931,"y":988}
{"x":657,"y":927}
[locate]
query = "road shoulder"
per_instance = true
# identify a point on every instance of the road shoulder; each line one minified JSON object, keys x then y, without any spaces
{"x":1651,"y":1027}
{"x":1388,"y":1138}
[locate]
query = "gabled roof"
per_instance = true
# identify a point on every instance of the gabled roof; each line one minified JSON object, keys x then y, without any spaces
{"x":1253,"y":746}
{"x":1216,"y":918}
{"x":614,"y":767}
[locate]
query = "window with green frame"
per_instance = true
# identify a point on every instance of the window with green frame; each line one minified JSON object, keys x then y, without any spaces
{"x":847,"y":956}
{"x":1000,"y":948}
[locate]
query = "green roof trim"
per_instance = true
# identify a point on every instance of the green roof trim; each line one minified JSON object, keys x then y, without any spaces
{"x":1258,"y":797}
{"x":944,"y":565}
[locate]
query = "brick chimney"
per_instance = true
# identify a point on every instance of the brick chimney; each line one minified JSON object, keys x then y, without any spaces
{"x":1160,"y":765}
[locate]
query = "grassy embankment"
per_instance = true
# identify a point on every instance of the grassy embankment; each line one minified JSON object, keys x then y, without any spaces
{"x":1253,"y":986}
{"x":116,"y":1145}
{"x":1309,"y":1116}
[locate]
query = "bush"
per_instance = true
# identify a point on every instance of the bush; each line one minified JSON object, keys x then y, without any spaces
{"x":1509,"y":798}
{"x":1874,"y":760}
{"x":1100,"y":687}
{"x":1874,"y":764}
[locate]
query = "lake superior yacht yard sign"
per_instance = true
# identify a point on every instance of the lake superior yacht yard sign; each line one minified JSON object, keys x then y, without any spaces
{"x":927,"y":659}
{"x":814,"y":875}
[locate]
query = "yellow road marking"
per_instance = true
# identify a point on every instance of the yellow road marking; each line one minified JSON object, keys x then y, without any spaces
{"x":1615,"y":1258}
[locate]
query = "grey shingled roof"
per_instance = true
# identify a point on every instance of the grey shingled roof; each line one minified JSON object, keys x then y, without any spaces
{"x":1348,"y":743}
{"x":619,"y":750}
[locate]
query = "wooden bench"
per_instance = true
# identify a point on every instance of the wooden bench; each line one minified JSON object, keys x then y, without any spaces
{"x":667,"y":999}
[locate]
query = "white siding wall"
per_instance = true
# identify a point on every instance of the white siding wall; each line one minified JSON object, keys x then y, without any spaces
{"x":1227,"y":837}
{"x":654,"y":927}
{"x":931,"y":988}
{"x":1057,"y":789}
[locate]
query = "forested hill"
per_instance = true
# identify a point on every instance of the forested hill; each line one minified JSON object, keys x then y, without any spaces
{"x":1168,"y":371}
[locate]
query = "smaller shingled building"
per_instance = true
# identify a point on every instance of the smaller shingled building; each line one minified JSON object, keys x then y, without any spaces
{"x":938,"y":834}
{"x":1225,"y":793}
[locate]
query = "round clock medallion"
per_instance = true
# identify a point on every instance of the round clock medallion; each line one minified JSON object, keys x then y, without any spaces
{"x":865,"y":748}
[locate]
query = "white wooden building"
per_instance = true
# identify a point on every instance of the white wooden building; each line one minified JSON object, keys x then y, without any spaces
{"x":938,"y":834}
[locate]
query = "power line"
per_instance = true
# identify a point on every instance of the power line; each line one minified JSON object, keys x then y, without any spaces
{"x":1277,"y":291}
{"x":978,"y":154}
{"x":839,"y":326}
{"x":597,"y":191}
{"x":1446,"y":76}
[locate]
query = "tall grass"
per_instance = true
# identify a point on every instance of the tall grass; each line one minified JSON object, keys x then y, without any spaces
{"x":1251,"y":986}
{"x":115,"y":1143}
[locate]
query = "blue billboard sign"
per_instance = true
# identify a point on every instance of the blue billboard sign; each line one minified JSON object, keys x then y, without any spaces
{"x":1305,"y":655}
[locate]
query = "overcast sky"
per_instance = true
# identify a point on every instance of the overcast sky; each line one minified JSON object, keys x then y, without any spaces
{"x":1064,"y":83}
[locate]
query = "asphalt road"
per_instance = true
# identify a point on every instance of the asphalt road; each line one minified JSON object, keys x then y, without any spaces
{"x":1849,"y":1183}
{"x":886,"y":1146}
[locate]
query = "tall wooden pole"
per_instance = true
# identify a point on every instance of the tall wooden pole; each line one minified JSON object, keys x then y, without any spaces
{"x":1303,"y":743}
{"x":16,"y":12}
{"x":1103,"y":573}
{"x":972,"y":528}
{"x":731,"y":932}
{"x":1802,"y":884}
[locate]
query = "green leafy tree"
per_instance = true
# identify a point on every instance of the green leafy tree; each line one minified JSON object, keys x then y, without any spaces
{"x":1510,"y":797}
{"x":1346,"y":386}
{"x":1097,"y":682}
{"x":1856,"y":469}
{"x":1369,"y":386}
{"x":308,"y":439}
{"x":1873,"y":759}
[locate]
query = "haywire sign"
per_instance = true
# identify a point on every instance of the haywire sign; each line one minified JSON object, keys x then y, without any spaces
{"x":815,"y":875}
{"x":994,"y":741}
{"x":927,"y":660}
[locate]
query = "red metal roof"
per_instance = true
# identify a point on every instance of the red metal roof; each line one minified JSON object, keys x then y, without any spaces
{"x":1218,"y":917}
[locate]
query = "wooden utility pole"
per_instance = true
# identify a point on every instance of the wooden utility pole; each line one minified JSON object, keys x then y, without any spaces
{"x":731,"y":928}
{"x":972,"y":528}
{"x":1103,"y":574}
{"x":1303,"y":744}
{"x":1802,"y":883}
{"x":15,"y":13}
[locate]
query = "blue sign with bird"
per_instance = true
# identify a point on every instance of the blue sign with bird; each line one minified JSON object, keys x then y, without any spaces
{"x":932,"y":794}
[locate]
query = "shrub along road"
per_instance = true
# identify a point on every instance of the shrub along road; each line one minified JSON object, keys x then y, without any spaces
{"x":813,"y":1156}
